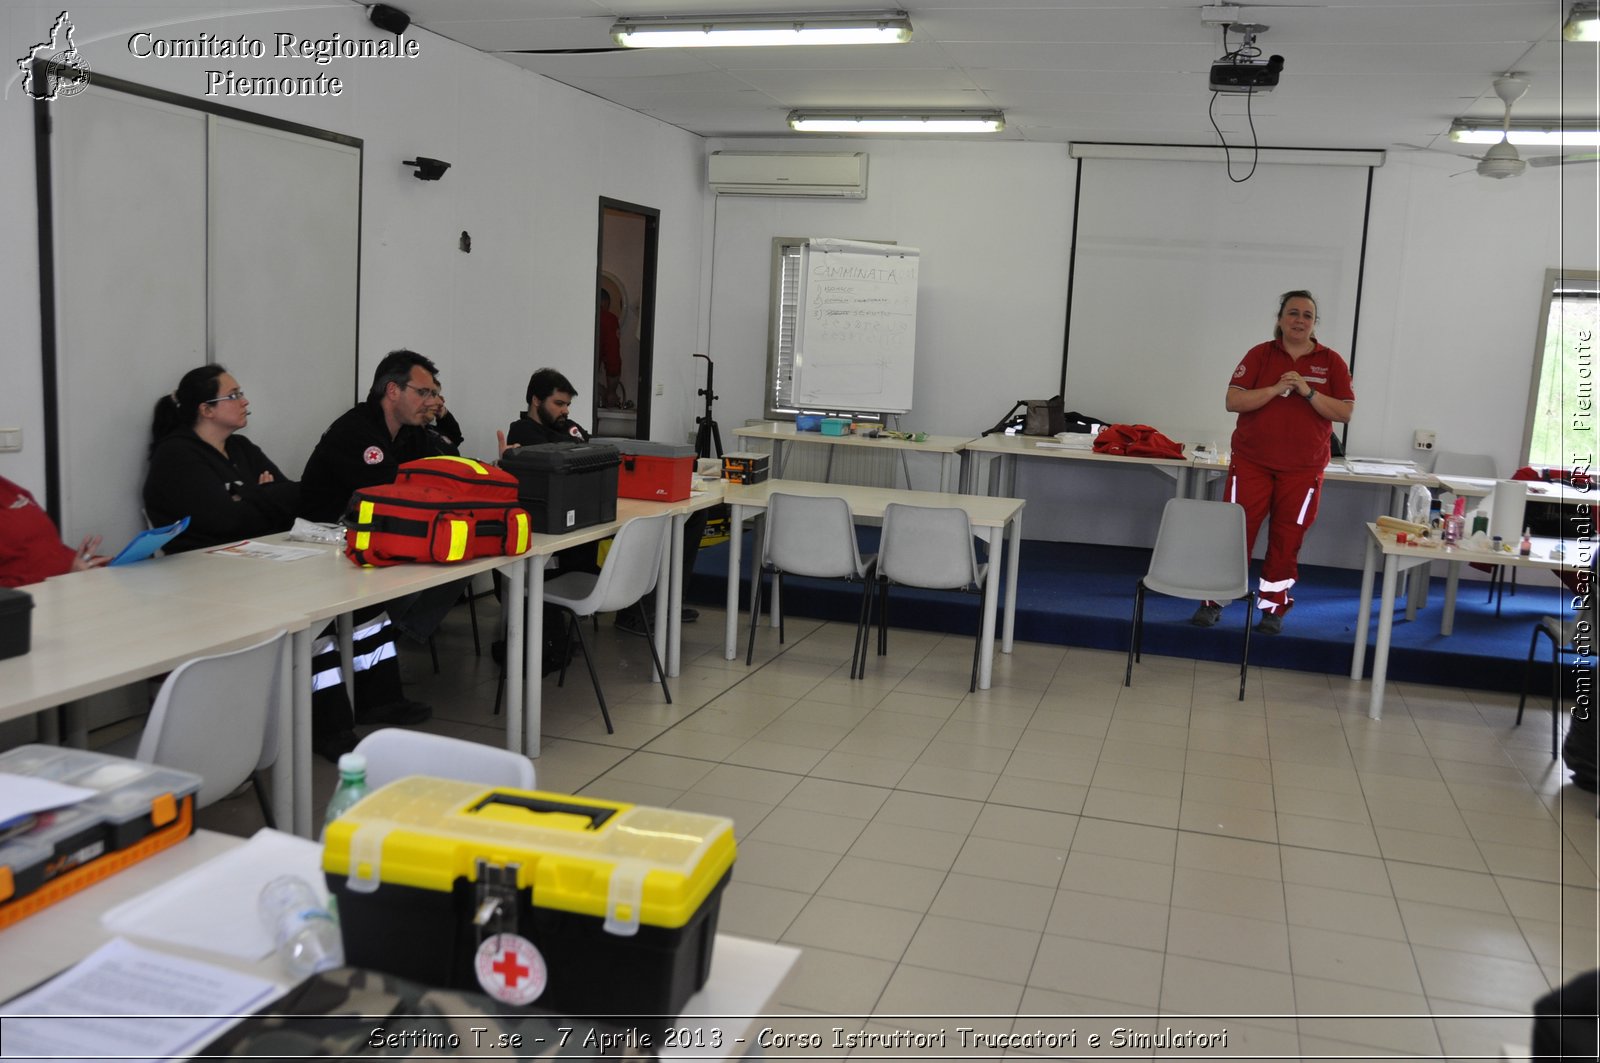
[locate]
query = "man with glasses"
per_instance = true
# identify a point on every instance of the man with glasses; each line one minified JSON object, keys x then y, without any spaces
{"x":402,"y":419}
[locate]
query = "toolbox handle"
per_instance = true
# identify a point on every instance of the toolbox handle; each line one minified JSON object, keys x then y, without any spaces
{"x":596,"y":814}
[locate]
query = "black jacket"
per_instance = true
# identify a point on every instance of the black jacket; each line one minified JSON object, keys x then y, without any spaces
{"x":356,"y":451}
{"x":527,"y":431}
{"x":220,"y":495}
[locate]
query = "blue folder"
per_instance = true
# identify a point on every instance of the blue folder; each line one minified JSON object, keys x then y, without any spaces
{"x":147,"y":542}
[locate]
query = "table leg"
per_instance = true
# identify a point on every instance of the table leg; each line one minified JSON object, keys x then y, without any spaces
{"x":991,"y":592}
{"x":675,"y":602}
{"x":1452,"y":583}
{"x":949,"y":474}
{"x":530,"y":588}
{"x":1417,"y":589}
{"x":1358,"y":658}
{"x":1009,"y":464}
{"x":780,"y":451}
{"x":1013,"y":563}
{"x":730,"y":630}
{"x":1380,"y":653}
{"x":344,"y":625}
{"x":283,"y":767}
{"x":299,"y":749}
{"x":669,"y":545}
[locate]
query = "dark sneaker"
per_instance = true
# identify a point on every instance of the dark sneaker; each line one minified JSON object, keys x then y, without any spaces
{"x":1271,"y":623}
{"x":332,"y":746}
{"x":1207,"y":615}
{"x":396,"y":713}
{"x":628,"y":620}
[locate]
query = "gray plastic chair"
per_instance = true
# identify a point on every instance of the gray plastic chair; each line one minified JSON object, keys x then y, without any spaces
{"x":395,"y":752}
{"x":217,"y":716}
{"x":1201,"y":554}
{"x":1563,"y":633}
{"x":633,"y":564}
{"x":929,"y":547}
{"x":1452,"y":463}
{"x":814,"y":536}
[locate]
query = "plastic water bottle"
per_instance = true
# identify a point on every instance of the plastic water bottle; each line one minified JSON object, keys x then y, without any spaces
{"x":307,"y":937}
{"x":352,"y":787}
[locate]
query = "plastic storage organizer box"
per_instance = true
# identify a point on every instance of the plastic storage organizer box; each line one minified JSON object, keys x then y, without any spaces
{"x":619,"y":900}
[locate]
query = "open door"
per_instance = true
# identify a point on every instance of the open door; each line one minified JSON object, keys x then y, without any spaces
{"x":625,"y":292}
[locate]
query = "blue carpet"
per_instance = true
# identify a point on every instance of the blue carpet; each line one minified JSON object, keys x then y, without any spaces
{"x":1076,"y":595}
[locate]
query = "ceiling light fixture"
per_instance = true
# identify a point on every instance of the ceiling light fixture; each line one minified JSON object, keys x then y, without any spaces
{"x":1583,"y":22}
{"x":755,"y":31}
{"x":1526,"y":133}
{"x":897,"y":121}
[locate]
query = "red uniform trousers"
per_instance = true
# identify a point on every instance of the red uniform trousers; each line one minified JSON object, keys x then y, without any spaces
{"x":1291,"y":498}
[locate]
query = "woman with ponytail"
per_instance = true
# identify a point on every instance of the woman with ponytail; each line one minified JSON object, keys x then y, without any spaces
{"x":203,"y":469}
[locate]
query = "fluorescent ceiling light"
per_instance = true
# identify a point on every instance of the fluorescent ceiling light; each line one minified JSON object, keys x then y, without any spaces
{"x":756,"y":31}
{"x":1583,"y":23}
{"x":897,"y":122}
{"x":1552,"y":134}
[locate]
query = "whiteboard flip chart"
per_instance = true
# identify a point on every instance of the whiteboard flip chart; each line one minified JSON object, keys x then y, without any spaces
{"x":855,"y":336}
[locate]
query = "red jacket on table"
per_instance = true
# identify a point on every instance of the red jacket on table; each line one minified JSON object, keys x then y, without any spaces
{"x":31,"y":549}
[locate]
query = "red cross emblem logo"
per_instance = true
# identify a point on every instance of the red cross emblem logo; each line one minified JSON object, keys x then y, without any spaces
{"x":511,"y":969}
{"x":372,"y":456}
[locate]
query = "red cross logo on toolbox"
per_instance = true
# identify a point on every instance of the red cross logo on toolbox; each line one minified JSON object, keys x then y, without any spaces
{"x":372,"y":456}
{"x":511,"y":969}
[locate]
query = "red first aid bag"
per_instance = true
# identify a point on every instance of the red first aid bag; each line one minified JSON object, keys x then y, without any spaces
{"x":438,"y":509}
{"x":1136,"y":441}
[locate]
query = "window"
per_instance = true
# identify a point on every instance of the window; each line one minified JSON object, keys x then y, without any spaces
{"x":1562,"y":420}
{"x":780,"y":335}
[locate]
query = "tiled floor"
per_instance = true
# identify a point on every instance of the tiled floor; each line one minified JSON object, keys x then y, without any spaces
{"x":1061,"y":847}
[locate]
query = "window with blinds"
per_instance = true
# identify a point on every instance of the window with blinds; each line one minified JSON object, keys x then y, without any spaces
{"x":1562,"y":404}
{"x":785,"y":303}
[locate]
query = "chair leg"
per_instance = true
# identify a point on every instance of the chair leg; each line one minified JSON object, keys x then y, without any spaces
{"x":1249,"y":622}
{"x":257,"y":784}
{"x":1133,"y":636}
{"x":858,"y":655}
{"x":883,"y":619}
{"x":755,"y":617}
{"x":1527,"y":673}
{"x":472,"y":612}
{"x":569,"y":629}
{"x":499,"y":691}
{"x":433,"y":651}
{"x":655,"y":658}
{"x":605,"y":714}
{"x":977,"y":648}
{"x":777,"y":600}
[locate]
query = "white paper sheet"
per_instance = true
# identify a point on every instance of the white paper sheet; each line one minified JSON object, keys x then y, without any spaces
{"x":132,"y":1004}
{"x":214,"y":906}
{"x":23,"y":795}
{"x":265,"y":551}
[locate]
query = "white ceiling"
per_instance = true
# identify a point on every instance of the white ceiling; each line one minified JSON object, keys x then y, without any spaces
{"x":1357,"y":73}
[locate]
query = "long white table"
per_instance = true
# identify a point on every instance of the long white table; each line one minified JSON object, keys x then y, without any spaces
{"x":1398,"y":558}
{"x":744,"y":974}
{"x":782,"y":433}
{"x":990,"y":518}
{"x":982,"y":456}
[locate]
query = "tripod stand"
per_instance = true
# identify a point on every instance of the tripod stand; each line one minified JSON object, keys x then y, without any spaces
{"x":709,"y":434}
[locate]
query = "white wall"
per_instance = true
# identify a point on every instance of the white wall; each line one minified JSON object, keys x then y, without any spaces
{"x":530,"y":160}
{"x":1449,"y":308}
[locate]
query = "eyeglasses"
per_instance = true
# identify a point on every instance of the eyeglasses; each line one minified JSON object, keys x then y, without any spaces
{"x":427,"y":393}
{"x":232,"y":396}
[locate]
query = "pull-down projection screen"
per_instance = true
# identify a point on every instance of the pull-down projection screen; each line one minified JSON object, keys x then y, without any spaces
{"x":1178,"y":271}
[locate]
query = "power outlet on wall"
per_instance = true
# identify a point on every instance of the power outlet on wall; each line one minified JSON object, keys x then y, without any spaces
{"x":661,"y":389}
{"x":1423,"y":438}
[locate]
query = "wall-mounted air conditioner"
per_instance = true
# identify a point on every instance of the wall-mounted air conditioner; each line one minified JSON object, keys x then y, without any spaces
{"x":840,"y":174}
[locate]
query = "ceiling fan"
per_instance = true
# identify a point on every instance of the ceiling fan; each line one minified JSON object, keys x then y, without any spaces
{"x":1502,"y":160}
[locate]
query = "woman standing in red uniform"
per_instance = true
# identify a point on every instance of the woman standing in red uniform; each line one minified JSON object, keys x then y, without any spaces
{"x":1287,"y":393}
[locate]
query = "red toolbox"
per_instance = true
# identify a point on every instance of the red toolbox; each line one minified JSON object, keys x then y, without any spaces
{"x":656,"y":472}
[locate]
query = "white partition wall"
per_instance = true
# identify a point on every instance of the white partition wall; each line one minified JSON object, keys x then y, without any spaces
{"x":180,"y":238}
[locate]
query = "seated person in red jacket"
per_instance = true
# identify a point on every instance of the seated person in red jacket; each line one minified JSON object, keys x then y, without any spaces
{"x":31,"y":549}
{"x":202,"y":468}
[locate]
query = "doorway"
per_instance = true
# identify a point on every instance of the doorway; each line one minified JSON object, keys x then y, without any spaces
{"x":624,"y":337}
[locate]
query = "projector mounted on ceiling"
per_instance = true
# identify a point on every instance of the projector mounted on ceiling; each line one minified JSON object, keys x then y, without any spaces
{"x":1242,"y":69}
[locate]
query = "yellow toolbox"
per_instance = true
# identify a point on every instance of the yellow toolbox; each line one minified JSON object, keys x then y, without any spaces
{"x":585,"y":906}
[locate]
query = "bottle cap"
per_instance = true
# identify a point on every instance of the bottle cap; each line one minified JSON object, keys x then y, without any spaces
{"x":352,"y":764}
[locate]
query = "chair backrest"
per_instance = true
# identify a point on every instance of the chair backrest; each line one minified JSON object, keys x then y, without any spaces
{"x":1452,"y":463}
{"x":633,"y":564}
{"x":217,"y":716}
{"x":394,"y":752}
{"x":811,"y":535}
{"x":1200,"y":548}
{"x":927,"y":546}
